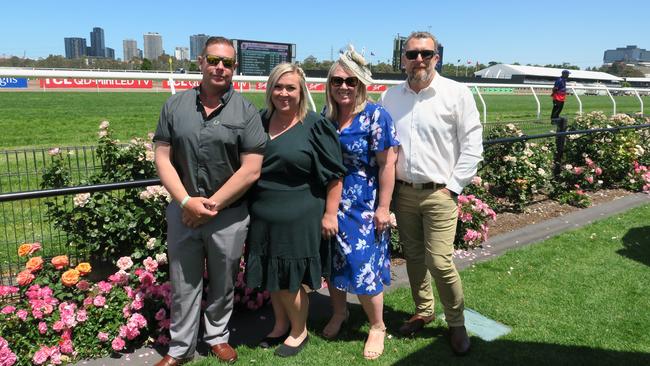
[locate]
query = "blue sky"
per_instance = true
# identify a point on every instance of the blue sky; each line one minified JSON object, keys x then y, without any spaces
{"x":542,"y":32}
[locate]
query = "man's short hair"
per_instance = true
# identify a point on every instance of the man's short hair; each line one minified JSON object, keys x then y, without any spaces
{"x":217,"y":40}
{"x":421,"y":35}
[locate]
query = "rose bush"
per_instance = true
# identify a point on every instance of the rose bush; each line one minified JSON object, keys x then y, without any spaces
{"x":107,"y":225}
{"x":474,"y":217}
{"x":516,"y":171}
{"x":60,"y":316}
{"x":615,"y":151}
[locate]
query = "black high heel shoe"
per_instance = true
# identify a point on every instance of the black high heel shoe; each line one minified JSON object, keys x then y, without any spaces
{"x":288,"y":351}
{"x":269,"y":342}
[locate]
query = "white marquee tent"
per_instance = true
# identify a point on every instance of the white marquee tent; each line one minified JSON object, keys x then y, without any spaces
{"x":506,"y":71}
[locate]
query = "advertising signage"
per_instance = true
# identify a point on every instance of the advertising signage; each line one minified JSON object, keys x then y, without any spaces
{"x":257,"y":58}
{"x":13,"y":83}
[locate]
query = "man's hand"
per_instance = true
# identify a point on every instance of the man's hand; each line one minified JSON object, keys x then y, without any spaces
{"x":382,"y":219}
{"x":329,"y":226}
{"x":197,"y":211}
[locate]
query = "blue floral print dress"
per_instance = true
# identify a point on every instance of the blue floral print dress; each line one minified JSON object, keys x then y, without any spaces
{"x":361,"y":262}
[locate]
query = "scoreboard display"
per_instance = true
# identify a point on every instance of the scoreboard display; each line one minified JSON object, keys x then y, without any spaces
{"x":257,"y":58}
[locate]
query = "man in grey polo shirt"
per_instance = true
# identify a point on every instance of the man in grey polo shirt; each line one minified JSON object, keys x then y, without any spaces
{"x":209,"y":149}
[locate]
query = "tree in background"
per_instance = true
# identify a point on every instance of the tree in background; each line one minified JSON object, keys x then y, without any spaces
{"x":146,"y":64}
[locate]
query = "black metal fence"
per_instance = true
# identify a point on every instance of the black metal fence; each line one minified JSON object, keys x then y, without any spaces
{"x":23,"y":204}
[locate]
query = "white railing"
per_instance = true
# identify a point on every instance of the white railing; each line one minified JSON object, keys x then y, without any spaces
{"x":171,"y":77}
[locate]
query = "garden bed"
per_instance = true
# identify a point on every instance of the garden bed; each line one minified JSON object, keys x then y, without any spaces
{"x":544,"y":208}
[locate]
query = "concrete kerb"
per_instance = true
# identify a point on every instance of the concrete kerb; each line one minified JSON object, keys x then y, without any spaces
{"x":248,"y":327}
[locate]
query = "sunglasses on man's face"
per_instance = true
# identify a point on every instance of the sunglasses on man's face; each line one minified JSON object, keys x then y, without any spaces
{"x":214,"y":60}
{"x":349,"y":81}
{"x":413,"y":54}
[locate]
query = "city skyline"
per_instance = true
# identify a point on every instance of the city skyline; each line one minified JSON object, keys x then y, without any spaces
{"x":501,"y":31}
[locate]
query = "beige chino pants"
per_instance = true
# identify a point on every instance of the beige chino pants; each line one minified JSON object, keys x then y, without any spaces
{"x":426,"y":220}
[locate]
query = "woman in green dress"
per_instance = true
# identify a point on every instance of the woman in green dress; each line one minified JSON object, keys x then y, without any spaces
{"x":293,"y":206}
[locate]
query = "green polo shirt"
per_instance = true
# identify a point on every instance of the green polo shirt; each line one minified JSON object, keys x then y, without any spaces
{"x":205,"y":149}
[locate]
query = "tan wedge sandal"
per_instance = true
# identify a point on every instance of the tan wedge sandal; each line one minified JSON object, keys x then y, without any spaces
{"x":374,"y":346}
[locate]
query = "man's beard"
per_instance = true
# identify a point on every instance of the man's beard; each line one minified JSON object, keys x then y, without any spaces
{"x":420,"y":75}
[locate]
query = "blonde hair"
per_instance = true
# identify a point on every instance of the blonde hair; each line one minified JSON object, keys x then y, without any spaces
{"x":361,"y":98}
{"x":275,"y":75}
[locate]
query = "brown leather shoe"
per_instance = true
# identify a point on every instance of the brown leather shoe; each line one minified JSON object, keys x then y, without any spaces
{"x":459,"y":340}
{"x":172,"y":361}
{"x":415,"y":324}
{"x":224,"y":352}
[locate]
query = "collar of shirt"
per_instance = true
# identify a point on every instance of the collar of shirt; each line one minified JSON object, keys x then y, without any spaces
{"x":430,"y":89}
{"x":224,"y":100}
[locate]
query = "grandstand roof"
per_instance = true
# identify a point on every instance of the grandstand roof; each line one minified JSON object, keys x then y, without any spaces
{"x":646,"y":79}
{"x":505,"y":71}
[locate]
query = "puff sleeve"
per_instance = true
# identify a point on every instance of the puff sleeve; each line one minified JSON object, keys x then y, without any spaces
{"x":327,"y":156}
{"x":383,"y":134}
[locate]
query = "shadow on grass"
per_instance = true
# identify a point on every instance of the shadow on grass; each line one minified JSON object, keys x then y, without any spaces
{"x":508,"y":352}
{"x":249,"y":327}
{"x":636,"y":243}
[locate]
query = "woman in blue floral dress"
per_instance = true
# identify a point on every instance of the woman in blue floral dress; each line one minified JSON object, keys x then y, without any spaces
{"x":360,"y":262}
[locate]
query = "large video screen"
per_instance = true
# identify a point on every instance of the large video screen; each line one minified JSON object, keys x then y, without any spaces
{"x":257,"y":58}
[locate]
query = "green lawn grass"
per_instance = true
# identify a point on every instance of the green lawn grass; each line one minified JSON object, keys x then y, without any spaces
{"x":580,"y":298}
{"x":48,"y":119}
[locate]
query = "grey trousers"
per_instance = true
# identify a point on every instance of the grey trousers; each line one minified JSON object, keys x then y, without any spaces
{"x":217,"y":244}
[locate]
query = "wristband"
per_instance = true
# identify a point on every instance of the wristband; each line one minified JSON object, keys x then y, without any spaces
{"x":184,"y":201}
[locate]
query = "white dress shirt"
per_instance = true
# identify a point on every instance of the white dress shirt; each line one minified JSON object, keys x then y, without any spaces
{"x":440,"y":132}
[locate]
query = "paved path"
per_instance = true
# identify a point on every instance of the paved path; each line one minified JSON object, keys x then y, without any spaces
{"x":249,"y":327}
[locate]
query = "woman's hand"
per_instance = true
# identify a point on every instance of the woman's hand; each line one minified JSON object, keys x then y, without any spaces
{"x":329,"y":225}
{"x":382,"y":219}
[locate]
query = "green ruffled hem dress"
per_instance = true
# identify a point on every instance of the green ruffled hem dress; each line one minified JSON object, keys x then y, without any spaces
{"x":285,"y":248}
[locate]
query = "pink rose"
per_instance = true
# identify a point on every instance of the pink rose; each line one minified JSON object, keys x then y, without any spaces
{"x":83,"y":285}
{"x":104,"y":287}
{"x":42,"y":327}
{"x":103,"y":337}
{"x":88,"y":301}
{"x":7,"y":310}
{"x":118,"y":344}
{"x":160,"y":314}
{"x":99,"y":301}
{"x":22,"y":314}
{"x":8,"y":290}
{"x":146,"y":279}
{"x":58,"y":325}
{"x":124,"y":263}
{"x":66,"y":347}
{"x":598,"y":171}
{"x":150,"y":264}
{"x":82,"y":315}
{"x":41,"y":356}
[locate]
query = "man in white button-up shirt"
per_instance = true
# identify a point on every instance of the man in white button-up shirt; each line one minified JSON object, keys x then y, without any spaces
{"x":441,"y":134}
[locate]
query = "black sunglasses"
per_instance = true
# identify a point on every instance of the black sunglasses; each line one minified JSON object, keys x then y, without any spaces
{"x":413,"y":54}
{"x":214,"y":60}
{"x":338,"y":81}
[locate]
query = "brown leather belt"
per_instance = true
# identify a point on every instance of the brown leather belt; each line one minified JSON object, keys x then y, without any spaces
{"x":428,"y":185}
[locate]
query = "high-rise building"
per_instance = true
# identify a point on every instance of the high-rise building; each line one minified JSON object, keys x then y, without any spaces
{"x":182,"y":53}
{"x":153,"y":47}
{"x":109,"y":53}
{"x":197,"y":42}
{"x":630,"y":54}
{"x":130,"y":49}
{"x":97,"y":47}
{"x":75,"y":47}
{"x":140,"y":54}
